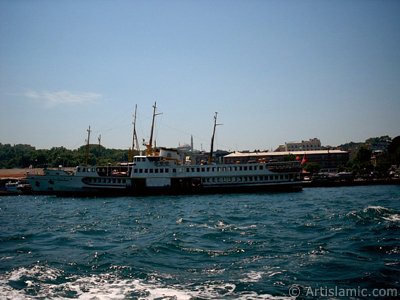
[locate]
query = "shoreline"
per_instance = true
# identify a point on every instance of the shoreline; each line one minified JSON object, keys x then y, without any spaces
{"x":19,"y":173}
{"x":356,"y":182}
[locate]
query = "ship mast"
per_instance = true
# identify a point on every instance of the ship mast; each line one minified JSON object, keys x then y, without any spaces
{"x":212,"y":138}
{"x":87,"y":146}
{"x":99,"y":147}
{"x":134,"y":138}
{"x":149,"y":146}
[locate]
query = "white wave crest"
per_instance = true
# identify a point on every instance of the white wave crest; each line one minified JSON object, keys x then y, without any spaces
{"x":378,"y":209}
{"x":252,"y":276}
{"x":40,"y":282}
{"x":392,"y":218}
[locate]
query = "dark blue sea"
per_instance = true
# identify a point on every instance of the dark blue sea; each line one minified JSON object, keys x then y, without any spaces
{"x":327,"y":243}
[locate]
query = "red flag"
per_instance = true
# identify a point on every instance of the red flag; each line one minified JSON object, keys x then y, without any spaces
{"x":304,"y":160}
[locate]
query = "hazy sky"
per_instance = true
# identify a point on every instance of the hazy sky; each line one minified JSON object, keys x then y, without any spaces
{"x":275,"y":71}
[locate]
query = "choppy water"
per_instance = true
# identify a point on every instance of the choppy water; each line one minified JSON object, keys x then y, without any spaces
{"x":246,"y":246}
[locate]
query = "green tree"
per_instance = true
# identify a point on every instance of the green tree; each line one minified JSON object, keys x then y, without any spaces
{"x":363,"y":155}
{"x":39,"y":158}
{"x":362,"y":162}
{"x":289,"y":157}
{"x":312,"y":167}
{"x":394,"y":151}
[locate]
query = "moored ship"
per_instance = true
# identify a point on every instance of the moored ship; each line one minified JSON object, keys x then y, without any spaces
{"x":84,"y":180}
{"x":165,"y":171}
{"x":158,"y":175}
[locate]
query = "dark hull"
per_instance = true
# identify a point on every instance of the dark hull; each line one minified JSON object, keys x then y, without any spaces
{"x":141,"y":190}
{"x":183,"y":189}
{"x":93,"y":193}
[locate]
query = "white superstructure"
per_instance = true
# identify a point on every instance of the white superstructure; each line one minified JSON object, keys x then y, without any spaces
{"x":151,"y":173}
{"x":82,"y":180}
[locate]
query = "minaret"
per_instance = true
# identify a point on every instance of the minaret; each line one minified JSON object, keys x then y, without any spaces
{"x":87,"y":146}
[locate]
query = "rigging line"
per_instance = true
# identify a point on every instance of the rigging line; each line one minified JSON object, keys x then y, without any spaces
{"x":165,"y":124}
{"x":198,"y":138}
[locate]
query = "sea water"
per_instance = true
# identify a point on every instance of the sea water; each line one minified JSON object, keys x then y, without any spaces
{"x":318,"y":243}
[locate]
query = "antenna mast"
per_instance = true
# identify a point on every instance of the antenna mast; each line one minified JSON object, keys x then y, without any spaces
{"x":150,"y":144}
{"x":212,"y":138}
{"x":99,"y":147}
{"x":134,"y":138}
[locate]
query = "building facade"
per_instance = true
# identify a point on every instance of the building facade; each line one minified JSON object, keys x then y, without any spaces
{"x":311,"y":144}
{"x":327,"y":159}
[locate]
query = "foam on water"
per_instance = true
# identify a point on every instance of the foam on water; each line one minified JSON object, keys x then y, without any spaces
{"x":40,"y":282}
{"x":375,"y":213}
{"x":252,"y":276}
{"x":206,"y":247}
{"x":392,"y":218}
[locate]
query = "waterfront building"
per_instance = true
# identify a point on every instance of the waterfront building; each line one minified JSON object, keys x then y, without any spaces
{"x":311,"y":144}
{"x":327,"y":159}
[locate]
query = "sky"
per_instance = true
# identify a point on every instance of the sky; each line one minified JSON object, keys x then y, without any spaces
{"x":275,"y":71}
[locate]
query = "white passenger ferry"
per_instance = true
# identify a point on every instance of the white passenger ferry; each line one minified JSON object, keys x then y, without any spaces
{"x":164,"y":171}
{"x":158,"y":174}
{"x":83,"y":180}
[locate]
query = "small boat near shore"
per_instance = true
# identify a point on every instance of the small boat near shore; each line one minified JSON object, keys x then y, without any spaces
{"x":11,"y":186}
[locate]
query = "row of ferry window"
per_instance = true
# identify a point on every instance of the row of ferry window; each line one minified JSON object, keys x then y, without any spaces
{"x":223,"y":169}
{"x":158,"y":170}
{"x":247,"y":178}
{"x":107,"y":180}
{"x":92,"y":169}
{"x":86,"y":169}
{"x":202,"y":169}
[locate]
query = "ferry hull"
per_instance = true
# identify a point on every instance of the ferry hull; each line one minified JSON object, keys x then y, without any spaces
{"x":182,"y":188}
{"x":94,"y":193}
{"x":77,"y":186}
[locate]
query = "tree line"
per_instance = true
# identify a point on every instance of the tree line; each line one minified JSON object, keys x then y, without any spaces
{"x":367,"y":161}
{"x":25,"y":156}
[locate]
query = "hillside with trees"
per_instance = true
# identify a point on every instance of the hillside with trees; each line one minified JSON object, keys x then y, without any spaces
{"x":374,"y":156}
{"x":24,"y":156}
